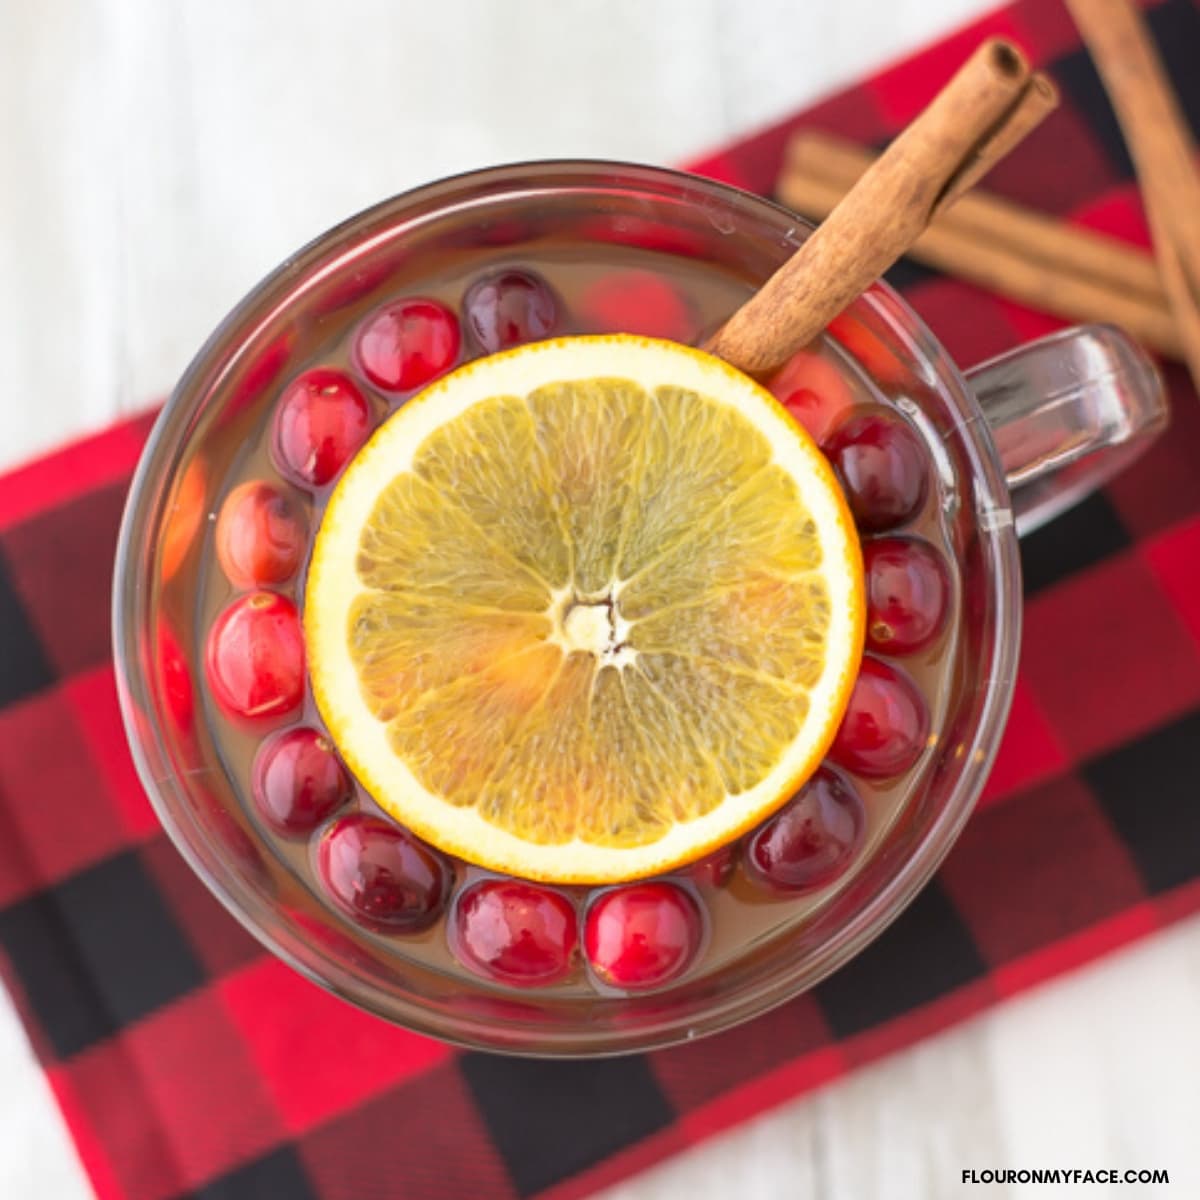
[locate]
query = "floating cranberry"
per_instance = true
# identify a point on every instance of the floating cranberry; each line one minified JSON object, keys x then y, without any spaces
{"x":515,"y":933}
{"x":812,"y":839}
{"x":642,"y":935}
{"x":255,"y":657}
{"x":908,"y":594}
{"x":716,"y":869}
{"x":814,"y":390}
{"x":508,"y":308}
{"x":883,"y":467}
{"x":886,"y":725}
{"x":381,"y":875}
{"x":297,"y":781}
{"x":636,"y":301}
{"x":260,"y":535}
{"x":320,"y":422}
{"x":405,"y":345}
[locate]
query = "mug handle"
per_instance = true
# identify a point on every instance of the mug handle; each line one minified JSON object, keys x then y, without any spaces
{"x":1067,"y":412}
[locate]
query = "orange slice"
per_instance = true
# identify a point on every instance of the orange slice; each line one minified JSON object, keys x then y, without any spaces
{"x":585,"y":610}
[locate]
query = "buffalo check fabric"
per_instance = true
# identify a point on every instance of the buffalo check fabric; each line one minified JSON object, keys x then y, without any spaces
{"x":189,"y":1063}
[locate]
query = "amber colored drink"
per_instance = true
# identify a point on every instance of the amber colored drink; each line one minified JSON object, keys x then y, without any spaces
{"x":847,"y":390}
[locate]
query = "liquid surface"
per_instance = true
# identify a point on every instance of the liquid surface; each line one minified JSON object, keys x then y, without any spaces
{"x":686,"y":301}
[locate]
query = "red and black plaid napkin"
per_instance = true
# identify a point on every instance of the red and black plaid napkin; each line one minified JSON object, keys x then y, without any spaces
{"x":190,"y":1063}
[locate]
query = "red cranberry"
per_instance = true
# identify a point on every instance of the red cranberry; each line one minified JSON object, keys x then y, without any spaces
{"x":405,"y":345}
{"x":381,"y":875}
{"x":814,"y":391}
{"x":255,"y":657}
{"x":886,"y":725}
{"x":908,"y":593}
{"x":636,"y":301}
{"x":515,"y":933}
{"x":812,"y":839}
{"x":509,"y":308}
{"x":260,"y":535}
{"x":642,"y":935}
{"x":883,"y":468}
{"x":321,"y":421}
{"x":298,"y":781}
{"x":716,"y":869}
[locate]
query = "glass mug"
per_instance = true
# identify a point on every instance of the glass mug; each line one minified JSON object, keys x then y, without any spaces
{"x":1012,"y":443}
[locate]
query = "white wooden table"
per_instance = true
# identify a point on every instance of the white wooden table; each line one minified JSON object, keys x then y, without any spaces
{"x":159,"y":156}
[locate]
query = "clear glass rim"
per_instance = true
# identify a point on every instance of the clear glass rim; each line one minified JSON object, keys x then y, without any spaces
{"x":160,"y":458}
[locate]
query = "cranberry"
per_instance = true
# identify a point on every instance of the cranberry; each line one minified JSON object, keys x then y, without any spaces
{"x":886,"y":725}
{"x":515,"y":933}
{"x":255,"y":657}
{"x":321,"y":421}
{"x":636,"y":301}
{"x":882,"y":465}
{"x":508,"y":308}
{"x":813,"y":390}
{"x":908,"y":592}
{"x":298,"y":780}
{"x":405,"y":345}
{"x":381,"y":875}
{"x":642,"y":935}
{"x":716,"y":869}
{"x":812,"y":839}
{"x":260,"y":535}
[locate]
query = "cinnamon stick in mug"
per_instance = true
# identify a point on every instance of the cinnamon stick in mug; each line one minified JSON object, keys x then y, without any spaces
{"x":991,"y":103}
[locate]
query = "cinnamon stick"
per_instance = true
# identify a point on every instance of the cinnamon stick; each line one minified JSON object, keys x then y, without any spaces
{"x":1161,"y":146}
{"x":1044,"y":262}
{"x":1035,"y":104}
{"x":991,"y":101}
